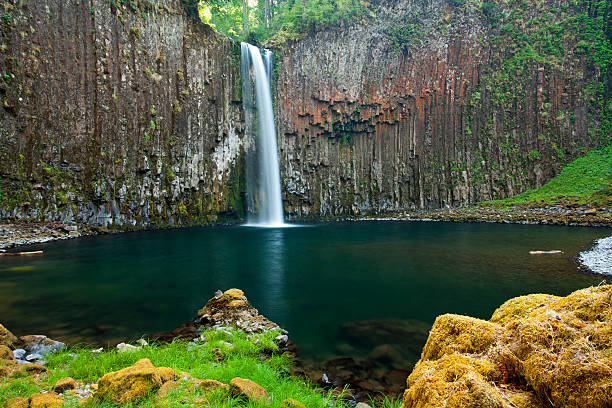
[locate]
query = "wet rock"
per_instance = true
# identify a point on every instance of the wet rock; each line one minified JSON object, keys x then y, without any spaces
{"x":233,"y":309}
{"x":362,"y":405}
{"x":33,"y":357}
{"x":39,"y":344}
{"x":64,"y":384}
{"x":249,"y":389}
{"x":19,"y":353}
{"x":129,"y":384}
{"x":124,"y":347}
{"x":46,"y":400}
{"x":6,"y":337}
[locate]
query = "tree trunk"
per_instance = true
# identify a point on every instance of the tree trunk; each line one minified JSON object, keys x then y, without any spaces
{"x":267,"y":12}
{"x":244,"y":17}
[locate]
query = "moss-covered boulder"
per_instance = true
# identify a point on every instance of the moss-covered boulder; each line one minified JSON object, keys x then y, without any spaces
{"x":64,"y":384}
{"x":45,"y":400}
{"x":6,"y":337}
{"x":231,"y":308}
{"x":129,"y":384}
{"x":249,"y":389}
{"x":5,"y":352}
{"x":18,"y":402}
{"x":521,"y":306}
{"x":537,"y":350}
{"x":459,"y":334}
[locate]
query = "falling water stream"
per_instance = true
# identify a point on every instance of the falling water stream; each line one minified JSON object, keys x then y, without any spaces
{"x":263,"y":179}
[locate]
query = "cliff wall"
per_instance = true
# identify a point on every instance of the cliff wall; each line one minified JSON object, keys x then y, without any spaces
{"x":435,"y":104}
{"x":117,"y":112}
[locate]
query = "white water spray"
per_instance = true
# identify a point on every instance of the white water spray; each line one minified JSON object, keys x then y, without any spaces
{"x":263,"y":184}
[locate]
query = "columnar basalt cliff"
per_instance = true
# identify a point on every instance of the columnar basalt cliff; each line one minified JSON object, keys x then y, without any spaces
{"x":117,"y":113}
{"x":434,"y":104}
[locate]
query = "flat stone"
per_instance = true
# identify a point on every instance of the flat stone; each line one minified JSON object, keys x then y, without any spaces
{"x":249,"y":389}
{"x":33,"y":357}
{"x":64,"y":384}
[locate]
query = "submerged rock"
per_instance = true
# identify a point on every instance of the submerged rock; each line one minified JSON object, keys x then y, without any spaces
{"x":536,"y":351}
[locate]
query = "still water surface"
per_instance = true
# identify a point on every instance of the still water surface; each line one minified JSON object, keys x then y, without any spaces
{"x":310,"y":280}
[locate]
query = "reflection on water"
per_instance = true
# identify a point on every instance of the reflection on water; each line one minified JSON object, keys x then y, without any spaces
{"x":315,"y":282}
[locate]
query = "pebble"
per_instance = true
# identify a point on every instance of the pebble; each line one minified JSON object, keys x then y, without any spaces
{"x":33,"y":357}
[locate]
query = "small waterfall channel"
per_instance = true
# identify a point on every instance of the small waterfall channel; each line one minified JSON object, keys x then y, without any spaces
{"x":263,"y":176}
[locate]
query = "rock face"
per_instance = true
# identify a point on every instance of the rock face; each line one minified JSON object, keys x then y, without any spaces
{"x":117,"y":113}
{"x":433,"y":104}
{"x":536,"y":351}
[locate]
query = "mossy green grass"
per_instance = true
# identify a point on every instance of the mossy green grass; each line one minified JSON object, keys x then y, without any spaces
{"x":585,"y":181}
{"x":223,"y":355}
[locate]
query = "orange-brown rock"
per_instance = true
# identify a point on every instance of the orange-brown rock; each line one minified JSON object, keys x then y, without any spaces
{"x":249,"y":389}
{"x":291,"y":403}
{"x":211,"y":385}
{"x":17,"y":402}
{"x":64,"y":384}
{"x":12,"y":369}
{"x":166,"y":374}
{"x":167,"y":387}
{"x":45,"y":400}
{"x":129,"y":384}
{"x":5,"y":352}
{"x":6,"y":337}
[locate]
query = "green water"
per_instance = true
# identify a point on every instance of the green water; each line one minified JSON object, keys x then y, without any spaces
{"x":309,"y":279}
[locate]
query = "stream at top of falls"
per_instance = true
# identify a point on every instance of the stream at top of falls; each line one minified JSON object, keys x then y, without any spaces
{"x":338,"y":288}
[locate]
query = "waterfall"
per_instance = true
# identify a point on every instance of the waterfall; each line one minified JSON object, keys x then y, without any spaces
{"x":263,"y":175}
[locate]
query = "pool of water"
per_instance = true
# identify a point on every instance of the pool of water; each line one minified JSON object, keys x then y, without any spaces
{"x":338,"y":288}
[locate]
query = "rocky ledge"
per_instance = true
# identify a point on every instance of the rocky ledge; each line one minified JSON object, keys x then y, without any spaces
{"x":18,"y":234}
{"x":558,"y":215}
{"x":536,"y":351}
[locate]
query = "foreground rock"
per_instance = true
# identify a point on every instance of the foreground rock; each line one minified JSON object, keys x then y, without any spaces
{"x":536,"y":351}
{"x":131,"y":383}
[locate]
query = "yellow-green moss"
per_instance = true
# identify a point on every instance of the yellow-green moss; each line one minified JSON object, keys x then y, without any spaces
{"x":459,"y":334}
{"x":521,"y":306}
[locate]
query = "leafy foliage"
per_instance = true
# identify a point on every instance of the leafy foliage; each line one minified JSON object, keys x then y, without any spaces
{"x":290,"y":18}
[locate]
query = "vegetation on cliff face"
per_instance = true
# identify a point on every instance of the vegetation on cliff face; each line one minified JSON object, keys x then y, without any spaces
{"x":586,"y":180}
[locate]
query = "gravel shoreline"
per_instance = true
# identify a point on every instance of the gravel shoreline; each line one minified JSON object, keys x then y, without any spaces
{"x":20,"y":234}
